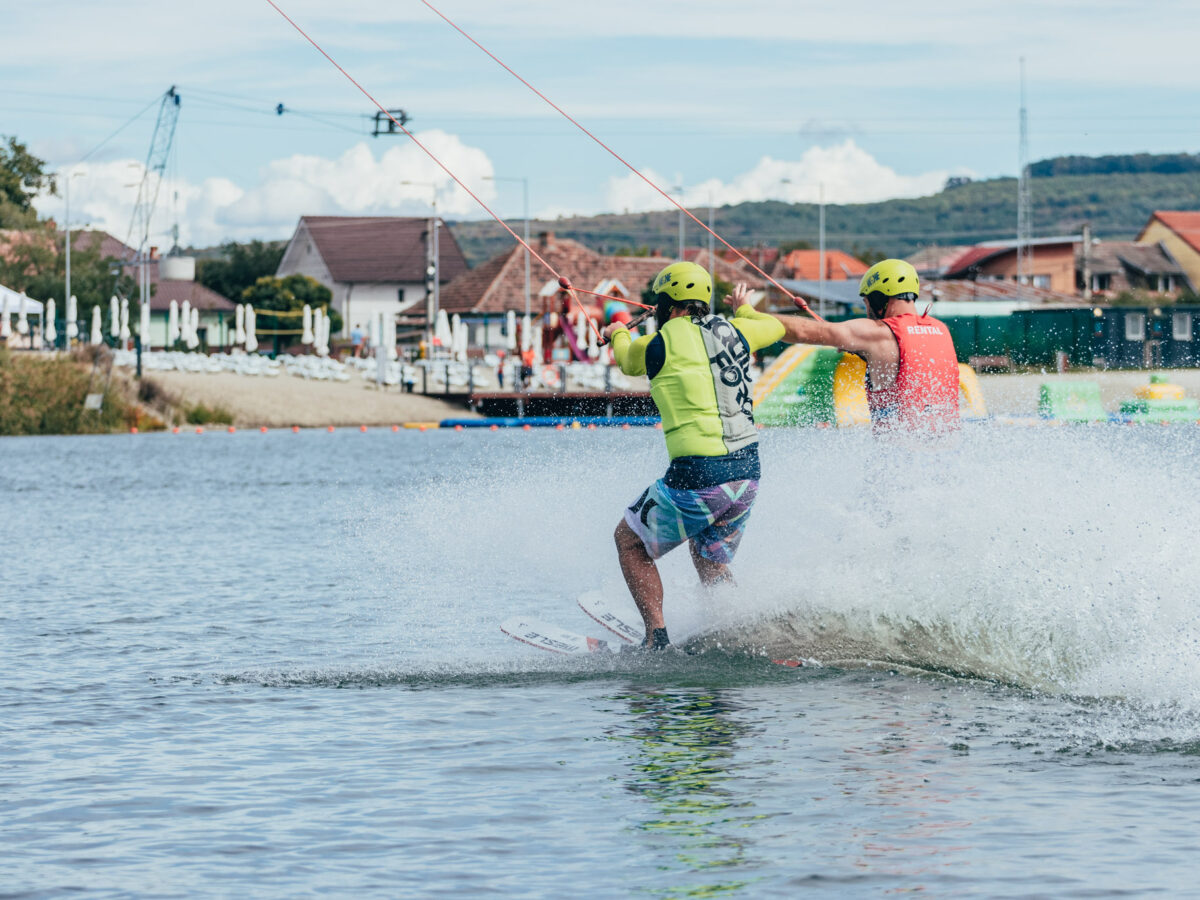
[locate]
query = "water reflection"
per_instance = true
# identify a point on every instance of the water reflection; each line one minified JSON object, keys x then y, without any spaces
{"x":911,"y":785}
{"x":682,"y":763}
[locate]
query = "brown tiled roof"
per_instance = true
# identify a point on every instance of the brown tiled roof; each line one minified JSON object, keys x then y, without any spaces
{"x":1113,"y":256}
{"x":963,"y":289}
{"x":109,"y":245}
{"x":381,"y":249}
{"x":499,"y":284}
{"x":194,"y":292}
{"x":936,"y":259}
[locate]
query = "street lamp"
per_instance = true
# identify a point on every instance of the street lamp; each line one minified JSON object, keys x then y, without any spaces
{"x":525,"y":199}
{"x":434,"y":262}
{"x":679,"y":190}
{"x":67,"y":217}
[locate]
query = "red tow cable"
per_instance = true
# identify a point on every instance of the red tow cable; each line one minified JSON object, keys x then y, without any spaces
{"x":798,"y":301}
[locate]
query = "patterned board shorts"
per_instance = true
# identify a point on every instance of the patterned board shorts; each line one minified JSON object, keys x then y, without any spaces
{"x":713,"y":518}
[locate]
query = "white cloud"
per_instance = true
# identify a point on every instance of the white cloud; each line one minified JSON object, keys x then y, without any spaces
{"x":216,"y":209}
{"x":849,"y":175}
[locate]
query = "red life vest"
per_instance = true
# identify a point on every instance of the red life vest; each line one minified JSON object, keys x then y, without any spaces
{"x":925,"y":393}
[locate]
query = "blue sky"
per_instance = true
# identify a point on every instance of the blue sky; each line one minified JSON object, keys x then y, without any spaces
{"x":731,"y":101}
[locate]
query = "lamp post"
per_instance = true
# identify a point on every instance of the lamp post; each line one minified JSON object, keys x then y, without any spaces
{"x":67,"y":217}
{"x":525,"y":201}
{"x":679,"y":191}
{"x":432,"y":300}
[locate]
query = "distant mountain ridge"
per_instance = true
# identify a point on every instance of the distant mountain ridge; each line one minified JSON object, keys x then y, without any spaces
{"x":1116,"y":194}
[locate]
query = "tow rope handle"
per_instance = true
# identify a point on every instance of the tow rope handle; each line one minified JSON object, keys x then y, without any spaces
{"x":631,"y":325}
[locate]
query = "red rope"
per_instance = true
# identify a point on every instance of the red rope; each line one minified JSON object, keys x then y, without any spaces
{"x":796,"y":300}
{"x":566,"y":284}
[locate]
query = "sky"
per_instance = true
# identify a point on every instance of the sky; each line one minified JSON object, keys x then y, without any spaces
{"x":715,"y":102}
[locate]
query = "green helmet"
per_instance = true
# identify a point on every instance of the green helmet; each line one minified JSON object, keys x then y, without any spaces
{"x":684,"y":281}
{"x":892,"y":278}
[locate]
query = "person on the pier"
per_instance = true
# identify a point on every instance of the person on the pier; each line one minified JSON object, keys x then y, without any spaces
{"x":912,"y":369}
{"x":698,"y":366}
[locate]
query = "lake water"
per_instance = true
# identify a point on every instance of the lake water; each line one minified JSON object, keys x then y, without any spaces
{"x":269,"y":666}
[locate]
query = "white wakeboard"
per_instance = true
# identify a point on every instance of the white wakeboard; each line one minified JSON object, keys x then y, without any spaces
{"x":553,"y":639}
{"x":605,"y":614}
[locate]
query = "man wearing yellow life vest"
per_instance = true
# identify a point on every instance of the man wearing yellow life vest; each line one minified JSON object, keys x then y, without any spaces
{"x":698,"y":365}
{"x":912,"y":369}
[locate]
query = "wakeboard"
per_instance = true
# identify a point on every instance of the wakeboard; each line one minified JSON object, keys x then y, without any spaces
{"x":603,"y":613}
{"x":553,"y":639}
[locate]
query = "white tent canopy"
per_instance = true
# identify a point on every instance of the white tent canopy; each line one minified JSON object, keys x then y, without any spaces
{"x":32,"y":307}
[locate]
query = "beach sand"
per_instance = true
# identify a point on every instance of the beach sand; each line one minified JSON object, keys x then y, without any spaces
{"x":286,"y":400}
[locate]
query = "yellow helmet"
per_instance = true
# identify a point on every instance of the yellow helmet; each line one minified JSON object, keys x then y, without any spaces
{"x":892,"y":278}
{"x":684,"y":281}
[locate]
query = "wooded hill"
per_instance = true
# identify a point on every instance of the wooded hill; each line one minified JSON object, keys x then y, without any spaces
{"x":1115,"y":194}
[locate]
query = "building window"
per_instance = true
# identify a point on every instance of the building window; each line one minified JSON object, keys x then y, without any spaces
{"x":1101,"y":282}
{"x":1135,"y":326}
{"x":1041,"y":281}
{"x":400,"y":295}
{"x":1181,"y":326}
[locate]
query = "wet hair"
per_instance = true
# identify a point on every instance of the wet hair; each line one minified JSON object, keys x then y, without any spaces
{"x":664,"y":306}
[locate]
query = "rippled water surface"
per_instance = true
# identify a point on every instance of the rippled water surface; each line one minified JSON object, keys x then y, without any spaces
{"x":269,"y":666}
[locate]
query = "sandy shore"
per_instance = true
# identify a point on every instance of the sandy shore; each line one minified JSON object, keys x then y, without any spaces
{"x":285,"y":400}
{"x":1017,"y":394}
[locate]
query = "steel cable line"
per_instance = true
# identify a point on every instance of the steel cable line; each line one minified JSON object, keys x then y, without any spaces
{"x":563,"y":281}
{"x":798,"y":301}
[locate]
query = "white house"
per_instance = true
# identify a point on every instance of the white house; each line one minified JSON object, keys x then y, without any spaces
{"x":372,"y":264}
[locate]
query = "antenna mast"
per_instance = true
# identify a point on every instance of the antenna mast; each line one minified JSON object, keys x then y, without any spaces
{"x":1024,"y":211}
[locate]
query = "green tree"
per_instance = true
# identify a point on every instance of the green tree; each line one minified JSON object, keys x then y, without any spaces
{"x":240,"y":267}
{"x":22,"y":177}
{"x":288,"y":295}
{"x":34,"y":262}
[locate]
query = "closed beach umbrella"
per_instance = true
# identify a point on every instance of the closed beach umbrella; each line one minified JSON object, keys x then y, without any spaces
{"x":72,"y":317}
{"x":307,"y":336}
{"x":456,"y":335}
{"x":49,"y":332}
{"x":318,"y":318}
{"x":125,"y":321}
{"x":536,"y":344}
{"x":510,"y":329}
{"x":390,"y":337}
{"x":251,"y":335}
{"x":114,"y":317}
{"x":144,"y":324}
{"x":239,"y":327}
{"x":441,"y":329}
{"x":23,"y":316}
{"x":324,"y":333}
{"x":526,"y":333}
{"x":5,"y":321}
{"x":194,"y":329}
{"x":97,"y":333}
{"x":172,"y":323}
{"x":593,"y":344}
{"x":374,"y":327}
{"x":185,"y":323}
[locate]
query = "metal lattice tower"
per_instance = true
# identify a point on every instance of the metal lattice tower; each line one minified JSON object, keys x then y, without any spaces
{"x":156,"y":165}
{"x":1024,"y":204}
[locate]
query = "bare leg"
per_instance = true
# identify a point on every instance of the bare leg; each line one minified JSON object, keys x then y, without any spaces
{"x":641,"y":575}
{"x":710,"y":572}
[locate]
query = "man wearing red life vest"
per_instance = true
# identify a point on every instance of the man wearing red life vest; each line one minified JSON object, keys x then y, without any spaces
{"x":912,"y":370}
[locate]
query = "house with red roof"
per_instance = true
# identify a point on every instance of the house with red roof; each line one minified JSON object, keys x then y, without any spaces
{"x":1178,"y":233}
{"x":805,"y":265}
{"x":373,"y":264}
{"x":490,"y":290}
{"x":1052,"y":260}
